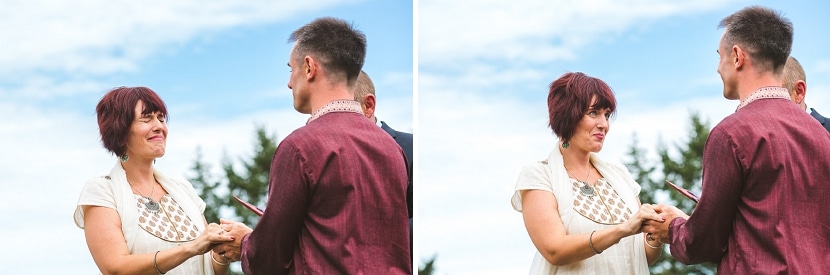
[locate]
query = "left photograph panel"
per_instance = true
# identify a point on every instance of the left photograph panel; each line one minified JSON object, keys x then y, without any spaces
{"x":143,"y":127}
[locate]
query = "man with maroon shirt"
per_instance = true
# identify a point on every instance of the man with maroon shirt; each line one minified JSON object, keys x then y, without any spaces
{"x":766,"y":179}
{"x":337,"y":193}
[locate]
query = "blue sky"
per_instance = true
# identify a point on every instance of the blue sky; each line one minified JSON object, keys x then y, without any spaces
{"x":220,"y":66}
{"x":484,"y":71}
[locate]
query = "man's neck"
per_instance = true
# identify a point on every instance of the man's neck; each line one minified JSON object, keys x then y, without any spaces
{"x":321,"y":97}
{"x":753,"y":82}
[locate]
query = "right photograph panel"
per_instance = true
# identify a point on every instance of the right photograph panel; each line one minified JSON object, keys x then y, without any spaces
{"x":548,"y":133}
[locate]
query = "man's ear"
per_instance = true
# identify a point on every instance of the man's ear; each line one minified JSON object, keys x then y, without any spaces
{"x":738,"y":57}
{"x":369,"y":105}
{"x":800,"y":88}
{"x":310,"y":67}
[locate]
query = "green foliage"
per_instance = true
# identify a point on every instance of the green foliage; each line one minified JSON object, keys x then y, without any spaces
{"x":251,"y":184}
{"x":206,"y":187}
{"x":683,"y":169}
{"x":428,"y":268}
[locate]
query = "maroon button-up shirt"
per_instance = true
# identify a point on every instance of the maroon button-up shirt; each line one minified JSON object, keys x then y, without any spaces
{"x":336,"y":203}
{"x":766,"y":193}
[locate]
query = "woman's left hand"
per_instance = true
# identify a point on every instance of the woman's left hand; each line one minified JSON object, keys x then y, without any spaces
{"x":212,"y":235}
{"x":647,"y":212}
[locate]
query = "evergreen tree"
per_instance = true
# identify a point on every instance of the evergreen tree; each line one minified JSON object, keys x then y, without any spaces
{"x":206,"y":187}
{"x":251,"y":185}
{"x":640,"y":169}
{"x":429,"y":267}
{"x":685,"y":171}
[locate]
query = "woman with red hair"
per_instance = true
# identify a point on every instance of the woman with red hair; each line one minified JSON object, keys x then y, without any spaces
{"x":137,"y":220}
{"x":581,"y":212}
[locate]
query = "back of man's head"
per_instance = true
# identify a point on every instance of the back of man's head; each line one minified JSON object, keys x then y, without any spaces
{"x":335,"y":44}
{"x":364,"y":87}
{"x":795,"y":80}
{"x":763,"y":33}
{"x":793,"y":72}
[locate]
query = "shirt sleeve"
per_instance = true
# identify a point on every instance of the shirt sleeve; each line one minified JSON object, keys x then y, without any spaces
{"x":532,"y":177}
{"x":97,"y":192}
{"x":270,"y":247}
{"x":704,"y":237}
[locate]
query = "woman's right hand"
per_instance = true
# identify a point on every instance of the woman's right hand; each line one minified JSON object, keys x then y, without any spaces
{"x":646,"y":213}
{"x":212,"y":236}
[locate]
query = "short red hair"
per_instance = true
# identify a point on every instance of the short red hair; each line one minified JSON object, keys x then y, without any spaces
{"x":569,"y":99}
{"x":116,"y":112}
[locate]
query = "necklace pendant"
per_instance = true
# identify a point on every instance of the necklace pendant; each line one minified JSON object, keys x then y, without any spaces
{"x":152,"y":205}
{"x":586,"y":189}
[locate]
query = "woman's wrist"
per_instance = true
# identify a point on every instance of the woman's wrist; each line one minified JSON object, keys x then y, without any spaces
{"x":223,"y":262}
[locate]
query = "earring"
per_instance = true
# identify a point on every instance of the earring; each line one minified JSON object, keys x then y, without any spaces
{"x":565,"y":145}
{"x":124,"y":158}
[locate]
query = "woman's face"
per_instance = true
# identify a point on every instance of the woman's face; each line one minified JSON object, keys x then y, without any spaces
{"x":148,"y":135}
{"x":590,"y":132}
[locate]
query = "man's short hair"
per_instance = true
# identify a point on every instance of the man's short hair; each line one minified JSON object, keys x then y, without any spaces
{"x":335,"y":44}
{"x":763,"y":33}
{"x":364,"y":87}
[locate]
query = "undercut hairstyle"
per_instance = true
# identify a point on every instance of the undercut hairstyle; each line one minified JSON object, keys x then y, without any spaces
{"x":335,"y":44}
{"x":116,"y":112}
{"x":364,"y":87}
{"x":569,"y":99}
{"x":764,"y":33}
{"x":793,"y":72}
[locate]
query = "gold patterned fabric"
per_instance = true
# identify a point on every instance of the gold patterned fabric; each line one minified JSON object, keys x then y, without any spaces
{"x":604,"y":206}
{"x":169,"y":223}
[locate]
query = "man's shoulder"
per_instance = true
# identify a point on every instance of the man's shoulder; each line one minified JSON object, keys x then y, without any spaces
{"x":818,"y":116}
{"x":394,"y":132}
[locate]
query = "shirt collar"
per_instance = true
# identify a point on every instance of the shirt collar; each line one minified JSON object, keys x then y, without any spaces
{"x":337,"y":106}
{"x":763,"y":93}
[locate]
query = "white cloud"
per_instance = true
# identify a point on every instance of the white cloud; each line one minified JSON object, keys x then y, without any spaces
{"x":533,"y":31}
{"x":94,"y":37}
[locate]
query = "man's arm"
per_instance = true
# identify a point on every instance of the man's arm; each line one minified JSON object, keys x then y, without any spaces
{"x":269,"y":249}
{"x":705,"y":235}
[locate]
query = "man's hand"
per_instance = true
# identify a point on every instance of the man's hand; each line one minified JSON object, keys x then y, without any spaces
{"x":231,"y":251}
{"x":660,"y":230}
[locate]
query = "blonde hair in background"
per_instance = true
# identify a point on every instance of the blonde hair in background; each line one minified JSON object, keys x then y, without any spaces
{"x":364,"y":86}
{"x":793,"y":72}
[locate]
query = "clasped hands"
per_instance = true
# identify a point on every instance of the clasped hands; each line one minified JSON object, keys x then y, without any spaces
{"x":658,"y":229}
{"x":230,"y":250}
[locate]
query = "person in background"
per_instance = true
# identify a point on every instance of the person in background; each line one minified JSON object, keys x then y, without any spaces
{"x":765,"y":173}
{"x":337,"y":190}
{"x":796,"y":83}
{"x":582,"y":212}
{"x":137,"y":220}
{"x":365,"y":94}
